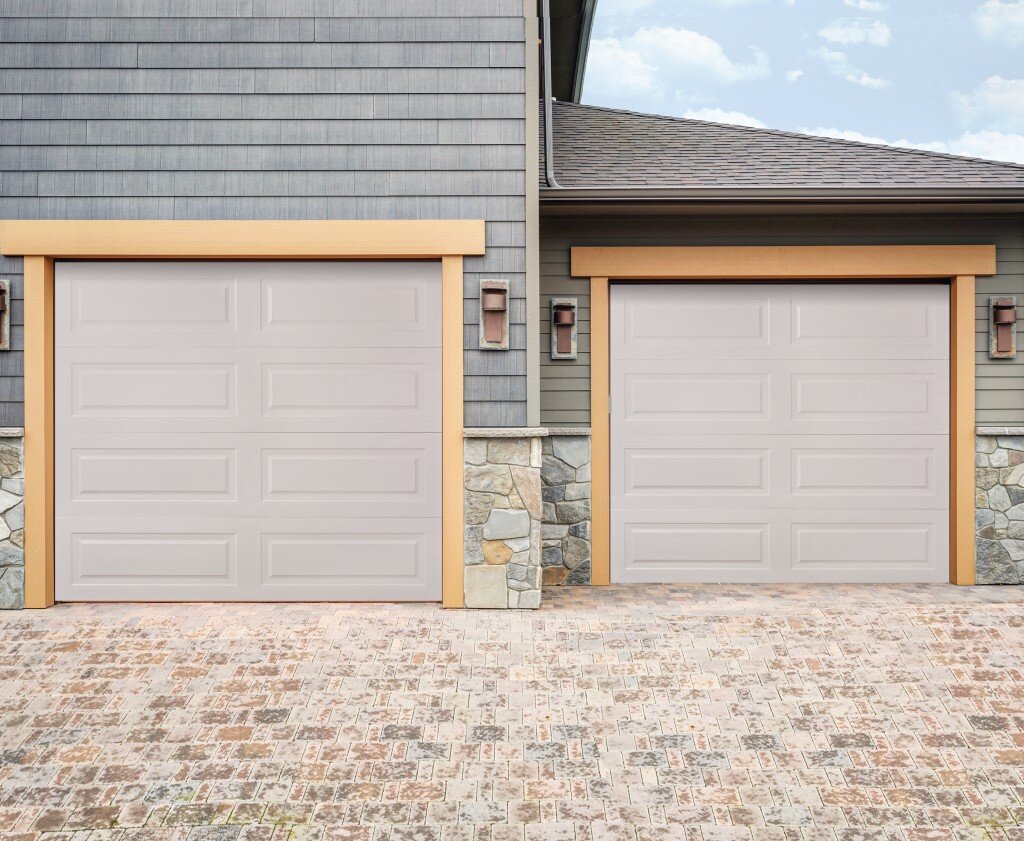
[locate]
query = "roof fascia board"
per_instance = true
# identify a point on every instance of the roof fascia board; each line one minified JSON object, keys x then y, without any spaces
{"x":586,"y":28}
{"x":783,"y":194}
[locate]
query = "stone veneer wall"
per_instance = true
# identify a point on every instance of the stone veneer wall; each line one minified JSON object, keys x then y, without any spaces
{"x":565,"y":474}
{"x":502,"y":518}
{"x":999,"y":505}
{"x":12,"y":521}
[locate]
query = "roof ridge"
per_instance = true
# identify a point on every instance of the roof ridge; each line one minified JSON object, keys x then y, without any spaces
{"x":835,"y":141}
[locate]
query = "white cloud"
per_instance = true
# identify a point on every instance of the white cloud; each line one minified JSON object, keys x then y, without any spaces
{"x":793,"y":75}
{"x":853,"y":31}
{"x":631,"y":8}
{"x":664,"y":70}
{"x":867,"y":5}
{"x":997,"y":101}
{"x":614,"y":69}
{"x":1000,"y":21}
{"x":685,"y":52}
{"x":839,"y":64}
{"x":992,"y":145}
{"x":719,"y":115}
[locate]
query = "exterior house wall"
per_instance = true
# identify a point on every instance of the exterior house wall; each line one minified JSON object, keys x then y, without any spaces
{"x":565,"y":385}
{"x":299,"y":109}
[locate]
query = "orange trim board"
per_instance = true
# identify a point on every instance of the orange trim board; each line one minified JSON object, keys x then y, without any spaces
{"x":783,"y":262}
{"x":216,"y":239}
{"x":780,"y":264}
{"x":42,"y":242}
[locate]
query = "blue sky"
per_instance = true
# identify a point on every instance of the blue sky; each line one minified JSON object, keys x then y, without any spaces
{"x":946,"y":75}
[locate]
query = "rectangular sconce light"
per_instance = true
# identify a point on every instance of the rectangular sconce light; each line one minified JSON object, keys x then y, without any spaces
{"x":1002,"y":327}
{"x":563,"y":328}
{"x":494,"y":315}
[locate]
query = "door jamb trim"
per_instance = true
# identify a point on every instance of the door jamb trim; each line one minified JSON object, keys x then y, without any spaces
{"x":957,"y":265}
{"x":42,"y":242}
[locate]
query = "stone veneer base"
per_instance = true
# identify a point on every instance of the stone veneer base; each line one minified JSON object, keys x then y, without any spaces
{"x":12,"y":519}
{"x":999,"y":505}
{"x":502,"y":510}
{"x":565,"y":474}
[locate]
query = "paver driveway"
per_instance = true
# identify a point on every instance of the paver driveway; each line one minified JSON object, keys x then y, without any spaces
{"x":612,"y":714}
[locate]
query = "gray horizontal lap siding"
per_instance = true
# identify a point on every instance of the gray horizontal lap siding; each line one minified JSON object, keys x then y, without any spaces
{"x":274,"y":109}
{"x":565,"y":386}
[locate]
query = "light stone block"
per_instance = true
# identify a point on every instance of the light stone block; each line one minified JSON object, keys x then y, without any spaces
{"x":573,"y":451}
{"x":486,"y":587}
{"x":507,"y":523}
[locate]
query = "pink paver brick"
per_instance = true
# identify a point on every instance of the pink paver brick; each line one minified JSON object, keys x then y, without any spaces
{"x":641,"y":713}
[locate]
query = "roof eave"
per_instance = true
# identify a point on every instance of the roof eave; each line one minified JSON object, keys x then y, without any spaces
{"x":571,"y":24}
{"x":782,"y":195}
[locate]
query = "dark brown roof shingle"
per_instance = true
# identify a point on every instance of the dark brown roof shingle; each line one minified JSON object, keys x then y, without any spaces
{"x":604,"y":147}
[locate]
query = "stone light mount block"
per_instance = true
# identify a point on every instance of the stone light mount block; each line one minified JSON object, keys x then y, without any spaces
{"x":1002,"y":327}
{"x":563,"y":327}
{"x":494,"y":306}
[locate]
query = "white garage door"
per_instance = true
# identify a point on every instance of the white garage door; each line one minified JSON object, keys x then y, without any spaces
{"x":780,"y":432}
{"x":249,"y":431}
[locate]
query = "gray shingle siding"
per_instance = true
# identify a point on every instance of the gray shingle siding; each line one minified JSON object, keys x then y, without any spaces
{"x":274,"y":109}
{"x":565,"y":386}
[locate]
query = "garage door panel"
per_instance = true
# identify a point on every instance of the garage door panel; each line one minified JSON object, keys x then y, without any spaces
{"x":262,"y":390}
{"x":248,"y":431}
{"x":813,"y":320}
{"x":773,"y":545}
{"x":795,"y":471}
{"x":153,"y":389}
{"x":725,"y":321}
{"x":377,"y":306}
{"x":302,"y":559}
{"x":368,"y":555}
{"x":119,"y":301}
{"x":353,"y":389}
{"x":871,"y":321}
{"x":152,"y":474}
{"x":250,"y":475}
{"x":853,"y":394}
{"x":250,"y":305}
{"x":812,"y":396}
{"x":779,"y":432}
{"x":106,"y":560}
{"x":882,"y":471}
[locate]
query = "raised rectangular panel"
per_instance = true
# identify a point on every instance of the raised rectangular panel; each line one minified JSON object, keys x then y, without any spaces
{"x":154,"y":560}
{"x":713,"y":396}
{"x":330,"y":559}
{"x":358,"y":304}
{"x":339,"y":389}
{"x":892,"y":472}
{"x":153,"y":389}
{"x":853,"y":322}
{"x":324,"y":304}
{"x":659,"y":471}
{"x":152,"y":475}
{"x":126,"y":303}
{"x":328,"y":474}
{"x":843,"y":395}
{"x":841,"y":544}
{"x":663,"y":320}
{"x":680,"y":546}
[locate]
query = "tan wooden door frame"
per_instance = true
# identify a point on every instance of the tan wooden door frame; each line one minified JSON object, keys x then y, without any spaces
{"x":956,"y":264}
{"x":42,"y":242}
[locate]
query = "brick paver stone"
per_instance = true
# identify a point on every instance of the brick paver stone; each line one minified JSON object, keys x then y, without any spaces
{"x":646,"y":713}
